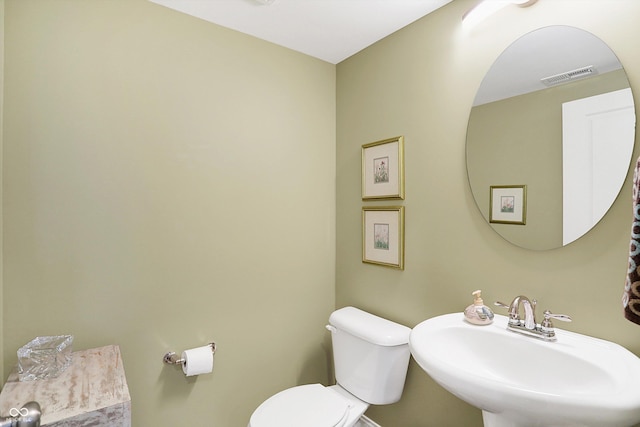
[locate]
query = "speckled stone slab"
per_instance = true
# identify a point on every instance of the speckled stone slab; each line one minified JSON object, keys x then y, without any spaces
{"x":93,"y":392}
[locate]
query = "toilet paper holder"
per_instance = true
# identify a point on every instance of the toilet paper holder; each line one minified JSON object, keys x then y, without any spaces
{"x":171,"y":358}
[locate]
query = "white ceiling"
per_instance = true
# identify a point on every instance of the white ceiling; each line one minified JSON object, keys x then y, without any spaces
{"x":331,"y":30}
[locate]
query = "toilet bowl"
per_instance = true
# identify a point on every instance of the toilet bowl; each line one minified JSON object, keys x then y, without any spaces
{"x":311,"y":405}
{"x":371,"y":357}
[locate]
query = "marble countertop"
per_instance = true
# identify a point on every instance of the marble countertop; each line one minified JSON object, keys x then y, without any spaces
{"x":91,"y":389}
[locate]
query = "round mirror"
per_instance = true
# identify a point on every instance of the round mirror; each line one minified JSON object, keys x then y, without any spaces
{"x":550,"y":137}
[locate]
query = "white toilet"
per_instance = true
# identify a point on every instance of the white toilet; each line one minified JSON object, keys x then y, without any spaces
{"x":370,"y":355}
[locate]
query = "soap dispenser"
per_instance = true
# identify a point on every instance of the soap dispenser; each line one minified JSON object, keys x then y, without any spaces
{"x":478,"y":313}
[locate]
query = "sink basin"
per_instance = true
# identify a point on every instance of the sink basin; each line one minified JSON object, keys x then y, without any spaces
{"x":520,"y":381}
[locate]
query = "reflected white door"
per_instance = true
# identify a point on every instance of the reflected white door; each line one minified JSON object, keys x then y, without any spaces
{"x":597,"y":142}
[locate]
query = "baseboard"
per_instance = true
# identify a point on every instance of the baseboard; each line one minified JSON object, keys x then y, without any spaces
{"x":365,"y":421}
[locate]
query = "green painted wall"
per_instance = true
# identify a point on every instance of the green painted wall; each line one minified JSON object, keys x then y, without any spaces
{"x":420,"y":82}
{"x":1,"y":202}
{"x":168,"y":182}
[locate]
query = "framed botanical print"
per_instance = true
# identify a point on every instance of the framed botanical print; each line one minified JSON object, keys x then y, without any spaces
{"x":383,"y":169}
{"x":508,"y":204}
{"x":383,"y":236}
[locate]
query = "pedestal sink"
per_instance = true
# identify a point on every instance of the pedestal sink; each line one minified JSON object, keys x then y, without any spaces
{"x":520,"y":381}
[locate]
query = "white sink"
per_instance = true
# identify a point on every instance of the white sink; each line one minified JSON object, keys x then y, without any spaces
{"x":522,"y":381}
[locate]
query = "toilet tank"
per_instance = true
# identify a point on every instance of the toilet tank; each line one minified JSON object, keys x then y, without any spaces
{"x":370,"y":355}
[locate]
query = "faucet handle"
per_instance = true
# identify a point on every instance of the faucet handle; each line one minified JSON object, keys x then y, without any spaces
{"x":546,"y":327}
{"x":513,"y":315}
{"x":549,"y":315}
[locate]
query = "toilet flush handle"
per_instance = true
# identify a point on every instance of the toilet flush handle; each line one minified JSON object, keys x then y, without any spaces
{"x":331,"y":328}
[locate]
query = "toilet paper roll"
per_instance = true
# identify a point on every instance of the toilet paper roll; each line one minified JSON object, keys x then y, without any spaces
{"x":197,"y":361}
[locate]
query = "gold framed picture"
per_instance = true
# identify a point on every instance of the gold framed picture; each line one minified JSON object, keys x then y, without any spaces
{"x":383,"y":236}
{"x":383,"y":169}
{"x":508,"y":204}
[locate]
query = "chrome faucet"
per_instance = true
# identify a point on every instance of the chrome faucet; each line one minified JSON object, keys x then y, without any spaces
{"x":529,"y":321}
{"x":528,"y":325}
{"x":27,"y":416}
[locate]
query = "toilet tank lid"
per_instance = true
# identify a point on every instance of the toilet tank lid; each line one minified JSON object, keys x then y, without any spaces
{"x":370,"y":327}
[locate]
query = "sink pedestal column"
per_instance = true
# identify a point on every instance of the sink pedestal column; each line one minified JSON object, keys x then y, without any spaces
{"x":490,"y":419}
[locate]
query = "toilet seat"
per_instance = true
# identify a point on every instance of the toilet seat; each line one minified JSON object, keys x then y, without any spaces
{"x":311,"y":405}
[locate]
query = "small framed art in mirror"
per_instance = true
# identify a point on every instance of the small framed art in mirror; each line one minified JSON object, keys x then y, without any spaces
{"x":508,"y":204}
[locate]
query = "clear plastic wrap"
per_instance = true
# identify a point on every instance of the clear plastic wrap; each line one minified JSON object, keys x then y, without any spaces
{"x":44,"y":357}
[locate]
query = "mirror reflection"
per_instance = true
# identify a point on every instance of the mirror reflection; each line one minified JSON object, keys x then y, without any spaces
{"x":553,"y":115}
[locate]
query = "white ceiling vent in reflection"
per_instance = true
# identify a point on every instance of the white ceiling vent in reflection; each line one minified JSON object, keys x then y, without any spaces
{"x":568,"y":76}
